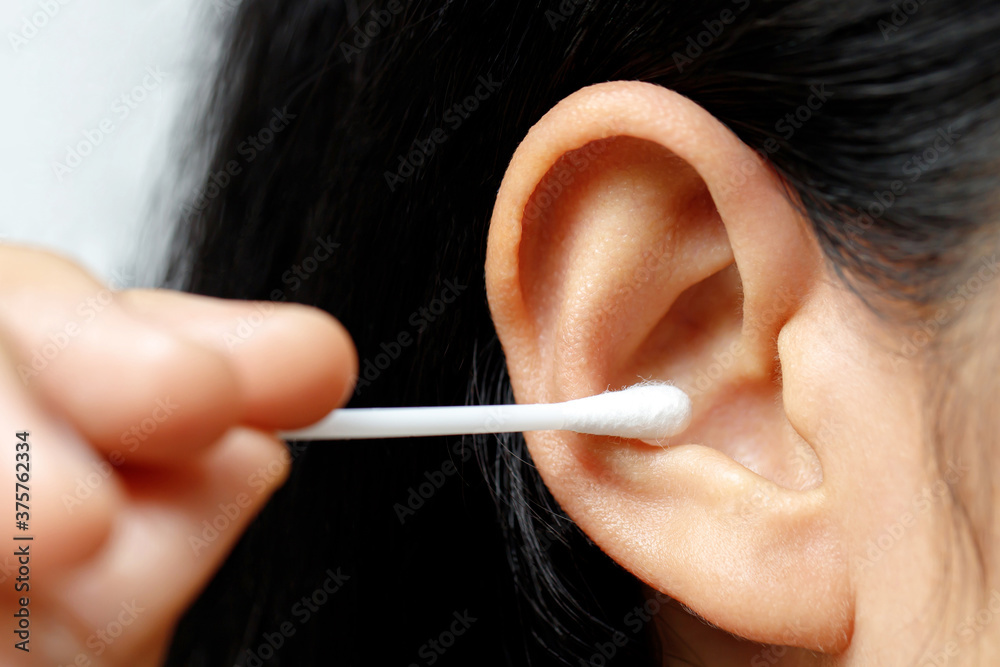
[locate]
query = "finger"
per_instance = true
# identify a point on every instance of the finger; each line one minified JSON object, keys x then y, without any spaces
{"x":67,"y":493}
{"x":294,"y":363}
{"x":168,"y":542}
{"x":131,"y":389}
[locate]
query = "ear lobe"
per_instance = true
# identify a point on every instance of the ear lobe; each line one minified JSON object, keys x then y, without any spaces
{"x":635,"y":237}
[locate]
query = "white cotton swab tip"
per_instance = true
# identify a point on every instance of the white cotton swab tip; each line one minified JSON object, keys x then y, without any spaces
{"x":646,"y":411}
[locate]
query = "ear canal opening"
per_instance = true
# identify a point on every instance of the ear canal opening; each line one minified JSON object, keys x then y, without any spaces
{"x":698,"y":346}
{"x":703,"y":323}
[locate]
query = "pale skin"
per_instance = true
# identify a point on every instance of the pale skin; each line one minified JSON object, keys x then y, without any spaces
{"x":116,"y":551}
{"x":668,"y":250}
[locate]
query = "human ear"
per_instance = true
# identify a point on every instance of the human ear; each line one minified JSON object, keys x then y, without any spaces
{"x":635,"y":237}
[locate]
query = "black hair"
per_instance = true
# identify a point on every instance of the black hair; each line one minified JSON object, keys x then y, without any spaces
{"x":329,"y":123}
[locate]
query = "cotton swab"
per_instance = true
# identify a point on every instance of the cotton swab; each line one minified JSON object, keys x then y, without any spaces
{"x":650,"y":411}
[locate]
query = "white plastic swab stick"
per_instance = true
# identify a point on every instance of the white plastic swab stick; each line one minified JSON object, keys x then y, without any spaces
{"x":650,"y":411}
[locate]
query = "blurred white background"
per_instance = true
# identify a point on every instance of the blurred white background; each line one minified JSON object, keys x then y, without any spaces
{"x":95,"y":97}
